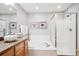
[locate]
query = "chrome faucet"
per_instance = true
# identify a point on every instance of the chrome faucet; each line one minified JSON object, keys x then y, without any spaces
{"x":47,"y":45}
{"x":3,"y":32}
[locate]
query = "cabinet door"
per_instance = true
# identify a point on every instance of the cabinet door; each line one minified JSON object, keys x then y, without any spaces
{"x":26,"y":47}
{"x":9,"y":52}
{"x":21,"y":52}
{"x":19,"y":49}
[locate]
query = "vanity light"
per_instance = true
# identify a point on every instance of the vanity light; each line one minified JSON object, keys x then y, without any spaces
{"x":36,"y":7}
{"x":59,"y":6}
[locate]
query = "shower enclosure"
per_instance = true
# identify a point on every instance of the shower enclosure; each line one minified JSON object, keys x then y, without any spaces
{"x":65,"y":33}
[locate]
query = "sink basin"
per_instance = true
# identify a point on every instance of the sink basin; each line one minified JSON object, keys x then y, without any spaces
{"x":10,"y":38}
{"x":19,"y":35}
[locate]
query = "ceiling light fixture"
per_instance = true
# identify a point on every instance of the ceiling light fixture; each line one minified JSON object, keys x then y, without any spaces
{"x":10,"y":9}
{"x":59,"y":6}
{"x":36,"y":7}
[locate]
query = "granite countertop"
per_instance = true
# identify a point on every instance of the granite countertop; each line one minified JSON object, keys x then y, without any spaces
{"x":4,"y":46}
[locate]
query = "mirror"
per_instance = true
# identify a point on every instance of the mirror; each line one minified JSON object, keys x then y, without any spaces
{"x":8,"y":22}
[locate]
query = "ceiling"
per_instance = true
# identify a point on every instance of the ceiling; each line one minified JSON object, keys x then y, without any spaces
{"x":7,"y":9}
{"x":45,"y":7}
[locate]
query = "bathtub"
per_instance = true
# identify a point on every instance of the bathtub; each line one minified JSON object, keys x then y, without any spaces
{"x":41,"y":42}
{"x":41,"y":45}
{"x":41,"y":49}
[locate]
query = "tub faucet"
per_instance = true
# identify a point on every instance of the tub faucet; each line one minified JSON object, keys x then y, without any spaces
{"x":47,"y":45}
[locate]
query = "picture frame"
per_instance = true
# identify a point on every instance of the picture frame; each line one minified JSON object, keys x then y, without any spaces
{"x":35,"y":25}
{"x":12,"y":25}
{"x":39,"y":25}
{"x":43,"y":25}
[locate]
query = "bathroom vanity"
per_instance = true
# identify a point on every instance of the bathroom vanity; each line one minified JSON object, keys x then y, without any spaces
{"x":18,"y":48}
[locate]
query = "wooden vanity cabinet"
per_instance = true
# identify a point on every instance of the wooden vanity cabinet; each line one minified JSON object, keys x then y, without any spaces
{"x":20,"y":49}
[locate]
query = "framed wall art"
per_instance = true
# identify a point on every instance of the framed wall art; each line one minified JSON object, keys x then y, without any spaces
{"x":12,"y":25}
{"x":39,"y":25}
{"x":42,"y":25}
{"x":35,"y":25}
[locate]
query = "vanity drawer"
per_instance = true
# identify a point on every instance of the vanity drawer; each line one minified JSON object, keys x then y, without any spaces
{"x":19,"y":46}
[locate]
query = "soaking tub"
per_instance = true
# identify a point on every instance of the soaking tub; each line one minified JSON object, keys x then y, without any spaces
{"x":41,"y":49}
{"x":41,"y":45}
